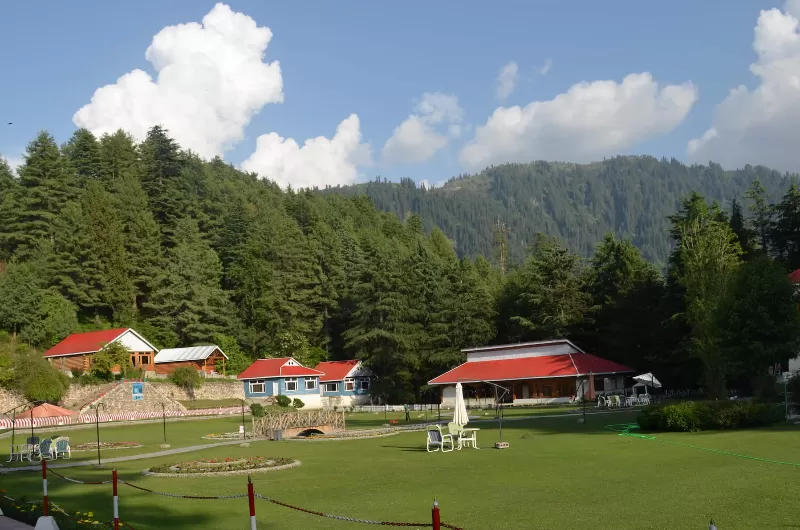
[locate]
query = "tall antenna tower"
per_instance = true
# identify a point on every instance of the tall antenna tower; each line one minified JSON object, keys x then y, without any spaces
{"x":501,"y":244}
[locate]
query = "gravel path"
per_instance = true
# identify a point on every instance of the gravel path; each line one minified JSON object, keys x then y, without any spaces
{"x":84,"y":463}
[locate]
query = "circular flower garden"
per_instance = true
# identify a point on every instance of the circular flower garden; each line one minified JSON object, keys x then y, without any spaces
{"x":105,"y":446}
{"x":221,"y":466}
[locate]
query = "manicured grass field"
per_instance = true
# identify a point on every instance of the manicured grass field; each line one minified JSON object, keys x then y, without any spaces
{"x":557,"y":474}
{"x":211,"y":403}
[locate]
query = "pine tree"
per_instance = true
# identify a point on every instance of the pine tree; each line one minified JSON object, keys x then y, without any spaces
{"x":82,"y":153}
{"x":118,"y":156}
{"x":141,"y":237}
{"x":19,"y":291}
{"x":762,"y":213}
{"x":75,"y":269}
{"x":543,"y":298}
{"x":105,"y":230}
{"x":47,"y":186}
{"x":9,"y":195}
{"x":188,"y":305}
{"x":161,"y":179}
{"x":377,"y":330}
{"x":784,"y":235}
{"x":744,"y":234}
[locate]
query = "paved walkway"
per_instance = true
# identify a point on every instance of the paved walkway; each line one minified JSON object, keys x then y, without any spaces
{"x":83,"y":463}
{"x":11,"y":524}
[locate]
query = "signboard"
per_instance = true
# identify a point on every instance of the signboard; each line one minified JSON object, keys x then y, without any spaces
{"x":138,"y":391}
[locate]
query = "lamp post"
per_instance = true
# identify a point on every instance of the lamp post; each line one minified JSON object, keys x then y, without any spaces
{"x":244,"y":428}
{"x":10,"y":415}
{"x":164,"y":418}
{"x":96,"y":408}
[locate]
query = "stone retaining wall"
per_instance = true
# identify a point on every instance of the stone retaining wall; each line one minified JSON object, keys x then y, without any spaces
{"x":120,"y":399}
{"x":210,"y":389}
{"x":9,"y":400}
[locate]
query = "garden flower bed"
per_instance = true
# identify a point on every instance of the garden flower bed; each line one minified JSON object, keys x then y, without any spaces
{"x":29,"y":512}
{"x":106,"y":446}
{"x":221,"y":466}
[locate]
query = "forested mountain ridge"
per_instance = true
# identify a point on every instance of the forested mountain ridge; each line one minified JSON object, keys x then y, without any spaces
{"x":109,"y":232}
{"x":631,"y":196}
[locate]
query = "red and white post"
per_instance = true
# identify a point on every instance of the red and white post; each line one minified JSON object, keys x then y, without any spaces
{"x":436,"y":518}
{"x":46,"y":521}
{"x":45,"y":501}
{"x":116,"y":498}
{"x":251,"y":497}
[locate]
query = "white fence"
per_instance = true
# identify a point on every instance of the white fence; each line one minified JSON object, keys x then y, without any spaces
{"x":123,"y":416}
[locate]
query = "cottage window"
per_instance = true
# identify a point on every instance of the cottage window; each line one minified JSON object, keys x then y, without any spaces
{"x":291,"y":384}
{"x":365,"y":384}
{"x":349,"y":385}
{"x":331,"y":387}
{"x":547,"y":390}
{"x":257,"y":387}
{"x":145,"y":359}
{"x":311,"y":384}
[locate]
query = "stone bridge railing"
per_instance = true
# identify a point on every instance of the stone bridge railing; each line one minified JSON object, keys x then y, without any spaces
{"x":293,"y":423}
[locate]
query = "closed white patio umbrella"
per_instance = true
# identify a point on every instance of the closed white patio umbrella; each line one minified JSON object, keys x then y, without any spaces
{"x":646,"y":380}
{"x":460,"y":417}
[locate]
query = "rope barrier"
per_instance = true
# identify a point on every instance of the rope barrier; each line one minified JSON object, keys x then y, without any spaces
{"x":625,"y":428}
{"x":180,"y":496}
{"x":350,"y":519}
{"x":76,"y":481}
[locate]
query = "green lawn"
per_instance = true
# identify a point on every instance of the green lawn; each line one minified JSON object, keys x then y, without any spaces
{"x":180,"y":433}
{"x":558,"y":474}
{"x":197,"y":404}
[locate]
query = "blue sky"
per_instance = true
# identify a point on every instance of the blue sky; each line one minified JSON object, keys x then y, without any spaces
{"x":377,"y":60}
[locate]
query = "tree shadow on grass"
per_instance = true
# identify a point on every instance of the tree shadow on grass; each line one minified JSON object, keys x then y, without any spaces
{"x":410,"y":448}
{"x":140,"y":509}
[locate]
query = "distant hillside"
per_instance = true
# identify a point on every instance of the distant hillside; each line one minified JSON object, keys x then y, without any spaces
{"x":631,"y":196}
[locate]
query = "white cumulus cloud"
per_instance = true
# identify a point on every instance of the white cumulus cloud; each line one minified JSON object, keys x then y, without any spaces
{"x":418,"y":138}
{"x":760,"y":126}
{"x":507,"y":80}
{"x":211,"y":80}
{"x":589,"y":121}
{"x":319,"y":163}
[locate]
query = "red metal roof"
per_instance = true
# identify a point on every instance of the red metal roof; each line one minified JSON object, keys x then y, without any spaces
{"x":264,"y":368}
{"x":564,"y":365}
{"x":795,"y":276}
{"x":335,"y":370}
{"x":89,"y":342}
{"x":46,"y":410}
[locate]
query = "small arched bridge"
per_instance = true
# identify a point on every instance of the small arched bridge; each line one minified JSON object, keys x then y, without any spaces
{"x":299,"y":423}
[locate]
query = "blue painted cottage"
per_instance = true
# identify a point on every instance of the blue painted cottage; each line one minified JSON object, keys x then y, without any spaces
{"x":344,"y":383}
{"x":282,"y":376}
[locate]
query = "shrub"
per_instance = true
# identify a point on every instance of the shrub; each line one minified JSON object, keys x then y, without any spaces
{"x":187,"y":378}
{"x":691,"y":416}
{"x":298,"y":403}
{"x":257,"y":410}
{"x":283,"y":401}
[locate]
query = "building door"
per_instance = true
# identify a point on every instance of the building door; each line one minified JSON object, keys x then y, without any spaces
{"x":526,"y":391}
{"x":274,"y":388}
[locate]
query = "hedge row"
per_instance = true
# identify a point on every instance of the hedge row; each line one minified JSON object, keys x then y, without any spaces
{"x":691,"y":416}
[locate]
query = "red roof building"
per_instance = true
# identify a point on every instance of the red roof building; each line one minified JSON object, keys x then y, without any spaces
{"x":75,"y":352}
{"x":795,"y":276}
{"x":280,"y":367}
{"x":341,"y":370}
{"x":534,"y":372}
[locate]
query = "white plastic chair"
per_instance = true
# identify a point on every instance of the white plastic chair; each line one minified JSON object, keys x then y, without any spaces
{"x":62,"y":448}
{"x":438,"y":440}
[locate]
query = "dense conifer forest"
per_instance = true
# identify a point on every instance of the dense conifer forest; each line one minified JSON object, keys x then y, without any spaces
{"x":675,"y":269}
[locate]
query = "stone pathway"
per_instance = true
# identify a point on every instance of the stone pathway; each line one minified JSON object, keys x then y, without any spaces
{"x":11,"y":524}
{"x":84,"y":463}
